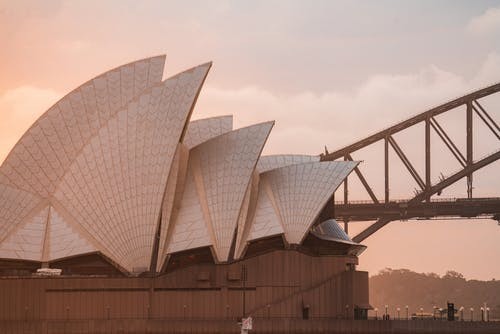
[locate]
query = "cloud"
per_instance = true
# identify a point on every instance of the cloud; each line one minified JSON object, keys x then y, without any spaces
{"x":307,"y":121}
{"x":336,"y":118}
{"x":19,"y":108}
{"x":485,"y":23}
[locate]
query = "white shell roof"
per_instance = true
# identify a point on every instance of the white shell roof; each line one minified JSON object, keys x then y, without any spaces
{"x":190,"y":229}
{"x":103,"y":154}
{"x":36,"y":164}
{"x":26,"y":242}
{"x":44,"y":153}
{"x":269,"y":162}
{"x":201,"y":130}
{"x":64,"y":239}
{"x":221,"y":169}
{"x":116,"y":185}
{"x":116,"y":161}
{"x":267,"y":221}
{"x":300,"y":192}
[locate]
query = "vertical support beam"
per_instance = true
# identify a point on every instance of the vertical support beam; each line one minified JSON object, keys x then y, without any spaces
{"x":469,"y":147}
{"x":346,"y":199}
{"x":386,"y":168}
{"x":428,"y":157}
{"x":346,"y":191}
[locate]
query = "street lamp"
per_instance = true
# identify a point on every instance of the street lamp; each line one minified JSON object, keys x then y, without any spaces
{"x":487,"y":314}
{"x":347,"y":311}
{"x":482,"y":313}
{"x":434,"y":312}
{"x":421,"y":313}
{"x":386,"y":316}
{"x":471,"y":314}
{"x":462,"y":313}
{"x":376,"y":313}
{"x":399,"y":318}
{"x":440,"y":313}
{"x":407,"y":312}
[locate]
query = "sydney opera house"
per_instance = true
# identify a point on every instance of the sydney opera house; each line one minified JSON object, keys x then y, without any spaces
{"x":150,"y":215}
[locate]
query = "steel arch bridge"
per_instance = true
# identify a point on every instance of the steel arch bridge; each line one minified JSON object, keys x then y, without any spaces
{"x":420,"y":205}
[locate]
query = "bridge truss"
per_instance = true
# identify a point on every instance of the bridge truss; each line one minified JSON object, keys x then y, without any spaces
{"x":421,"y":206}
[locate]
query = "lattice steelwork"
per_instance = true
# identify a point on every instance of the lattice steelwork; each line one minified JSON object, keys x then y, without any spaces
{"x":420,"y":205}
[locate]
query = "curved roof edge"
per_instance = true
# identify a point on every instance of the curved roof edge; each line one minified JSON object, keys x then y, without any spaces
{"x":219,"y":158}
{"x":201,"y":130}
{"x":269,"y":162}
{"x":160,"y":58}
{"x":330,"y":230}
{"x":302,"y":190}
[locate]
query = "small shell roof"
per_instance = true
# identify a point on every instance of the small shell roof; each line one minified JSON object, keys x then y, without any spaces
{"x":331,"y":230}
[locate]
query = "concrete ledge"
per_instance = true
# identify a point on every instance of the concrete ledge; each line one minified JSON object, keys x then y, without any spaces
{"x":261,"y":326}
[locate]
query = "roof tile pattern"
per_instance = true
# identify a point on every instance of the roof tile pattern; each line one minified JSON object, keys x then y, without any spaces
{"x":63,"y":239}
{"x":302,"y":190}
{"x":201,"y":130}
{"x":266,"y":222}
{"x":247,"y":214}
{"x":227,"y":163}
{"x":43,"y":154}
{"x":115,"y":186}
{"x":115,"y":162}
{"x":190,"y":230}
{"x":269,"y":162}
{"x":15,"y":206}
{"x":26,"y":242}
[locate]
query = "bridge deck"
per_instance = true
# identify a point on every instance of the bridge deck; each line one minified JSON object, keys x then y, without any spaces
{"x":403,"y":210}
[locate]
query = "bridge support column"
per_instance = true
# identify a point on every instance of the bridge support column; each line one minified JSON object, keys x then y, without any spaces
{"x":469,"y":148}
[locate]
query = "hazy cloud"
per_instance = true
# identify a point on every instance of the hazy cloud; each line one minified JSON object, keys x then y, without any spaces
{"x":485,"y":23}
{"x":336,"y":118}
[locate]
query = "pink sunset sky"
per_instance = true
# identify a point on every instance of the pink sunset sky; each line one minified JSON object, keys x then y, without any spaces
{"x":328,"y":72}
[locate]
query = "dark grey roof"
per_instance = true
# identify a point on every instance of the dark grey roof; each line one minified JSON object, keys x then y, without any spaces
{"x":331,"y":230}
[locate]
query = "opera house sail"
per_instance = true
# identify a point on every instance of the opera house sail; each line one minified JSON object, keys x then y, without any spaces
{"x":116,"y":179}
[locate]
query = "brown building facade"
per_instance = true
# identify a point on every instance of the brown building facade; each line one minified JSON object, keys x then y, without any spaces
{"x":278,"y":284}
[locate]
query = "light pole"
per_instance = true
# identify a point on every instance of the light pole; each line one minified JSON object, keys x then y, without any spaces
{"x":376,"y":313}
{"x":386,"y":316}
{"x":440,"y":313}
{"x":407,"y":314}
{"x":482,"y":313}
{"x":462,"y":313}
{"x":399,"y":318}
{"x":487,"y":314}
{"x":421,"y":313}
{"x":244,"y":279}
{"x":434,"y":312}
{"x":471,"y":314}
{"x":347,"y":311}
